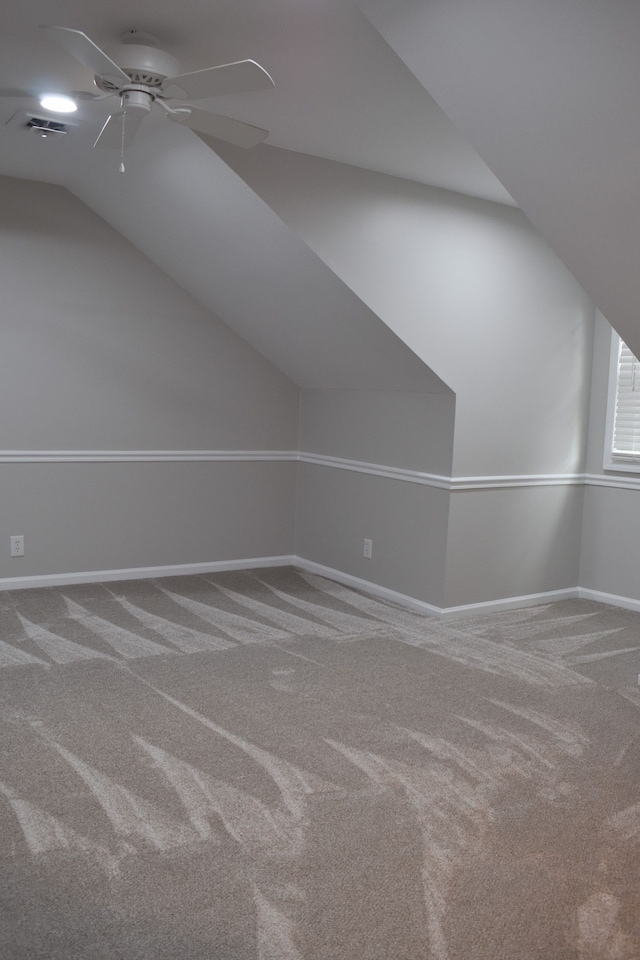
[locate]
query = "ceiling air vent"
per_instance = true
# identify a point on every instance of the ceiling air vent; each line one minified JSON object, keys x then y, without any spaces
{"x":46,"y":127}
{"x":51,"y":129}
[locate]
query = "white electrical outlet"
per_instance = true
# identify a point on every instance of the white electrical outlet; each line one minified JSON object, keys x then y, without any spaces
{"x":17,"y":546}
{"x":368,"y":549}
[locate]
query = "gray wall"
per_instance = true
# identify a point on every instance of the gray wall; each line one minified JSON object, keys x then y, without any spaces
{"x":477,"y":294}
{"x":338,"y":508}
{"x":598,"y":403}
{"x":216,"y":237}
{"x":610,"y":556}
{"x":102,"y":352}
{"x":83,"y":517}
{"x":512,"y":542}
{"x":468,"y":285}
{"x":610,"y":559}
{"x":412,"y":431}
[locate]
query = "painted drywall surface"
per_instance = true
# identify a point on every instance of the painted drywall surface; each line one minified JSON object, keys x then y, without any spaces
{"x":100,"y":350}
{"x":412,"y":431}
{"x":485,"y":302}
{"x":610,"y":552}
{"x":195,"y":218}
{"x":337,"y":508}
{"x":610,"y":557}
{"x":599,"y":395}
{"x":468,"y":285}
{"x":83,"y":517}
{"x":407,"y":522}
{"x":512,"y":542}
{"x":547,"y":93}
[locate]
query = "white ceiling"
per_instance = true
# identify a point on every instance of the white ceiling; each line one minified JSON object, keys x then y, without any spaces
{"x":196,"y":219}
{"x":549,"y":94}
{"x":340,"y":93}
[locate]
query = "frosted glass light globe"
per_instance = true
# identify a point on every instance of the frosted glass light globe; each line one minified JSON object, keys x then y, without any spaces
{"x":58,"y":104}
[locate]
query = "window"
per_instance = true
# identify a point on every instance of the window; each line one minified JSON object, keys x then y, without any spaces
{"x":623,"y":415}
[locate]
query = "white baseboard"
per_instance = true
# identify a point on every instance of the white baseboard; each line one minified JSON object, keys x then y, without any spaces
{"x":508,"y":603}
{"x":290,"y":560}
{"x":441,"y":613}
{"x":142,"y":573}
{"x":598,"y":596}
{"x":367,"y":587}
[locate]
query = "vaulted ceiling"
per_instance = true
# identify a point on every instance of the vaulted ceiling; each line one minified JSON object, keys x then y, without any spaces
{"x":340,"y":92}
{"x":549,"y":94}
{"x":546,"y":93}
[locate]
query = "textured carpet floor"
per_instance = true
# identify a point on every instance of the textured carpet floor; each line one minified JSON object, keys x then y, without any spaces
{"x":269,"y":766}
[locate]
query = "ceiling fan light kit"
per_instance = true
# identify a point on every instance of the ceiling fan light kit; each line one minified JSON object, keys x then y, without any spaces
{"x":57,"y":103}
{"x":140,"y":74}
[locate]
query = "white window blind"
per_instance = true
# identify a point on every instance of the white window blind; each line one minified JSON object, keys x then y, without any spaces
{"x":626,"y":424}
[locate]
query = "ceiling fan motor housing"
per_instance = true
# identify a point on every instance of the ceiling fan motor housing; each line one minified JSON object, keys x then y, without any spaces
{"x":143,"y":65}
{"x":138,"y":100}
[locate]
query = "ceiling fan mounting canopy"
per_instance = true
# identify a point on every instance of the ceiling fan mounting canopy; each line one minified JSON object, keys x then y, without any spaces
{"x":141,"y":37}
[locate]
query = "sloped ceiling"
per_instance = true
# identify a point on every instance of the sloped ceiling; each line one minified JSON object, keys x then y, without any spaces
{"x":340,"y":93}
{"x":549,"y":95}
{"x":210,"y":232}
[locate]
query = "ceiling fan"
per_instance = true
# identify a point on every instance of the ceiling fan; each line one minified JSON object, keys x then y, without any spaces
{"x":142,"y":76}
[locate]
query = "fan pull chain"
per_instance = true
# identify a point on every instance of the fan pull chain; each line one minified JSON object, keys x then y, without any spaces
{"x":124,"y":117}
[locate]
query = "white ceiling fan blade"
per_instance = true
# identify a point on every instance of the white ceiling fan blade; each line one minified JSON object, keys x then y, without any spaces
{"x":80,"y":46}
{"x":85,"y":95}
{"x":111,"y":134}
{"x":237,"y":77}
{"x":223,"y":128}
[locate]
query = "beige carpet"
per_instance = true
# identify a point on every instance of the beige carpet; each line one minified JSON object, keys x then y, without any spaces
{"x":269,"y":766}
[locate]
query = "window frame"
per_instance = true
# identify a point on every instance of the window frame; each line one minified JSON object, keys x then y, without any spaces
{"x":621,"y":463}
